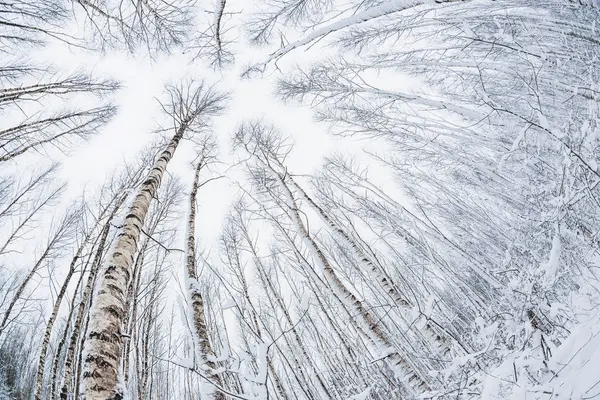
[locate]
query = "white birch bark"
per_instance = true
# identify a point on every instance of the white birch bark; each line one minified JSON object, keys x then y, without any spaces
{"x":433,"y":333}
{"x":130,"y":321}
{"x":199,"y":329}
{"x":219,"y":10}
{"x":322,"y":387}
{"x":397,"y":362}
{"x":39,"y":387}
{"x":105,"y":334}
{"x":386,"y":8}
{"x":400,"y":364}
{"x":104,"y":338}
{"x":55,"y":378}
{"x":69,"y":358}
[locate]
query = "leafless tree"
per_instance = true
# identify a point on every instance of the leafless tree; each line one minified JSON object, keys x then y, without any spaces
{"x":32,"y":120}
{"x":489,"y":131}
{"x":62,"y":234}
{"x":190,"y":107}
{"x":28,"y":23}
{"x":200,"y":335}
{"x":213,"y":43}
{"x":39,"y":128}
{"x":269,"y":151}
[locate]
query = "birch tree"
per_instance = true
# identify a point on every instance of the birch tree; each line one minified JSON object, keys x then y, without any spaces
{"x":304,"y":11}
{"x":453,"y":254}
{"x":29,"y":92}
{"x":78,"y":324}
{"x":87,"y":234}
{"x":190,"y":107}
{"x":146,"y":297}
{"x":28,"y":23}
{"x":213,"y":43}
{"x":199,"y":332}
{"x":487,"y":134}
{"x":264,"y":145}
{"x":59,"y":239}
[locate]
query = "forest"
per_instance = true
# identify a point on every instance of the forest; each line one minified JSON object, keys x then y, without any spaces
{"x":300,"y":199}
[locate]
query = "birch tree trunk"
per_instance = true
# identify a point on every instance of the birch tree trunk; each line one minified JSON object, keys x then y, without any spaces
{"x":49,"y":325}
{"x":56,"y":363}
{"x":131,"y":318}
{"x":265,"y":145}
{"x":68,"y":372}
{"x":108,"y":310}
{"x":323,"y":389}
{"x":431,"y":331}
{"x":105,"y":341}
{"x":379,"y":339}
{"x":200,"y":331}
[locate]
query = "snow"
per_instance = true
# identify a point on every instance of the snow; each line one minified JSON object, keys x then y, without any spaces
{"x":305,"y":302}
{"x":119,"y":219}
{"x":207,"y":389}
{"x":551,"y":266}
{"x":364,"y":395}
{"x":387,"y":7}
{"x":573,"y":370}
{"x":225,"y":354}
{"x":576,"y":363}
{"x":261,"y":360}
{"x":543,"y":121}
{"x":229,"y":303}
{"x":187,"y":362}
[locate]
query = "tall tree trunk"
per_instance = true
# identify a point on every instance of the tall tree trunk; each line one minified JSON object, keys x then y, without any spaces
{"x":85,"y":297}
{"x":200,"y":331}
{"x":55,"y":379}
{"x":189,"y":105}
{"x":104,"y":339}
{"x":432,"y":332}
{"x":131,"y":318}
{"x":397,"y":362}
{"x":323,"y":389}
{"x":48,"y":332}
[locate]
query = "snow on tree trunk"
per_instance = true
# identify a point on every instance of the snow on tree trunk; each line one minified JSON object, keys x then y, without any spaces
{"x":104,"y":340}
{"x":401,"y":365}
{"x":200,"y":337}
{"x":68,"y":372}
{"x":378,"y":274}
{"x":385,"y":8}
{"x":324,"y":391}
{"x":39,"y":387}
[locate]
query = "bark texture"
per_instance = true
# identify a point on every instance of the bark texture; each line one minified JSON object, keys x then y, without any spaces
{"x":200,"y":330}
{"x":68,"y":372}
{"x":432,"y":332}
{"x":39,"y":387}
{"x":104,"y":339}
{"x":364,"y":319}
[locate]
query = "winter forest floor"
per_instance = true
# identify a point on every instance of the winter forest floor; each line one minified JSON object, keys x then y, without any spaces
{"x":300,"y":199}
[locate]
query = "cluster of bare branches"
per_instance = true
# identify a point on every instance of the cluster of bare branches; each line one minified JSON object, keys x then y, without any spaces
{"x":29,"y":93}
{"x":153,"y":24}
